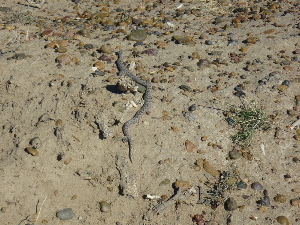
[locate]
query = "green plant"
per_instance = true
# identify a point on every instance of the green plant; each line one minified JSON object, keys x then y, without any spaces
{"x":248,"y":119}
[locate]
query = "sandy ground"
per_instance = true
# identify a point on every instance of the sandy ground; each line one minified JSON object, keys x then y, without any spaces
{"x":60,"y":109}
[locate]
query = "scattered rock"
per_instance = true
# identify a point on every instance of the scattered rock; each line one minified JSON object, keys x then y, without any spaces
{"x":65,"y":214}
{"x":104,"y":206}
{"x":189,"y":146}
{"x":234,"y":155}
{"x":32,"y":151}
{"x":280,"y":198}
{"x":182,"y":184}
{"x":256,"y":186}
{"x":230,"y":204}
{"x":137,"y":35}
{"x":209,"y":169}
{"x":283,"y":220}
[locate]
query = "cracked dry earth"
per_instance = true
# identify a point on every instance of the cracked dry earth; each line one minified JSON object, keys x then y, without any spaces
{"x":61,"y":118}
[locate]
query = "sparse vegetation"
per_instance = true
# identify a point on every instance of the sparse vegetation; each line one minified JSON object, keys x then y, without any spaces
{"x":248,"y":119}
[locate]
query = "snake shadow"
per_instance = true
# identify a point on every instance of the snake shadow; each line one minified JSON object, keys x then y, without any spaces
{"x":113,"y":89}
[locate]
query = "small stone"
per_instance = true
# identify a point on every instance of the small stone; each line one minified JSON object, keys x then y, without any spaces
{"x":32,"y":151}
{"x":282,"y":87}
{"x":204,"y":138}
{"x":199,"y":162}
{"x":192,"y":107}
{"x":182,"y":184}
{"x":99,"y":65}
{"x":35,"y":142}
{"x":288,"y":68}
{"x":189,"y":146}
{"x":190,"y":116}
{"x":243,"y":49}
{"x":106,"y":48}
{"x":251,"y":40}
{"x":256,"y":186}
{"x":297,"y":51}
{"x":195,"y":55}
{"x":294,"y":202}
{"x":64,"y":58}
{"x":65,"y":214}
{"x":297,"y":137}
{"x":61,"y":50}
{"x":209,"y":169}
{"x":162,"y":44}
{"x":234,"y":155}
{"x":241,"y":185}
{"x":207,"y":42}
{"x":283,"y":220}
{"x":280,"y":198}
{"x":84,"y":33}
{"x":104,"y":206}
{"x":203,"y":63}
{"x":186,"y":88}
{"x":175,"y":128}
{"x":137,"y":35}
{"x":150,"y":51}
{"x":230,"y":204}
{"x":265,"y":201}
{"x":295,"y":159}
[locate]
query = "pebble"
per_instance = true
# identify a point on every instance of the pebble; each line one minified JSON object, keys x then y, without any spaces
{"x":192,"y":108}
{"x":256,"y":186}
{"x":265,"y":201}
{"x":106,"y":48}
{"x":202,"y":63}
{"x":84,"y":33}
{"x":234,"y":155}
{"x":282,"y":87}
{"x":99,"y":65}
{"x":283,"y":220}
{"x":210,"y":169}
{"x":137,"y":35}
{"x":61,"y":50}
{"x":182,"y":184}
{"x":190,"y":116}
{"x":64,"y":58}
{"x":186,"y":88}
{"x":151,"y":51}
{"x":35,"y":142}
{"x":230,"y":204}
{"x":297,"y":137}
{"x":294,"y":202}
{"x":252,"y":40}
{"x":104,"y":206}
{"x":47,"y":33}
{"x":105,"y":58}
{"x":32,"y":151}
{"x":286,"y":83}
{"x":162,"y":44}
{"x":189,"y":146}
{"x":207,"y":42}
{"x":241,"y":185}
{"x":280,"y":198}
{"x":195,"y":55}
{"x":65,"y":214}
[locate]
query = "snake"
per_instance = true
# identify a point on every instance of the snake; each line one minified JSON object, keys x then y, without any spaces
{"x":147,"y":100}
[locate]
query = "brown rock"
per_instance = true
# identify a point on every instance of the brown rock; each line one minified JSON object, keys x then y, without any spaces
{"x":182,"y":184}
{"x":209,"y":169}
{"x":189,"y":146}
